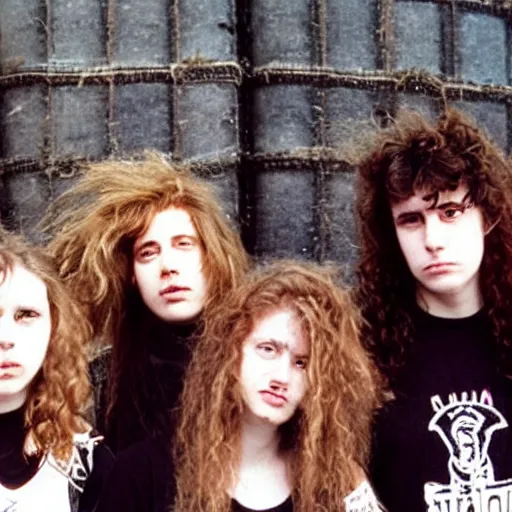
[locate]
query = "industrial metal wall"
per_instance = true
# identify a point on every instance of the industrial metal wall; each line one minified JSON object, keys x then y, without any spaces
{"x":256,"y":93}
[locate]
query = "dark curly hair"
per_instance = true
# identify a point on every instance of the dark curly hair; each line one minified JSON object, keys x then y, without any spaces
{"x":414,"y":154}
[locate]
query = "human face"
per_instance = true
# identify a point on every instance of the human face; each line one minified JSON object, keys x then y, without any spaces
{"x":25,"y":330}
{"x":167,"y":267}
{"x":443,"y":244}
{"x":273,"y":372}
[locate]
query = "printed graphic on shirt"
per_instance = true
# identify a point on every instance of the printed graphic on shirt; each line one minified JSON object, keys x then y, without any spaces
{"x":466,"y":425}
{"x":362,"y":499}
{"x":7,"y":505}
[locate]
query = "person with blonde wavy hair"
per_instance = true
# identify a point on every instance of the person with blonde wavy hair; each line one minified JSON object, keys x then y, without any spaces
{"x":146,"y":248}
{"x":49,"y":459}
{"x":276,"y":411}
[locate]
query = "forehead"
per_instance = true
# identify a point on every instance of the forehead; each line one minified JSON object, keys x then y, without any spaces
{"x":283,"y":326}
{"x":167,"y":224}
{"x":23,"y":287}
{"x":423,"y":200}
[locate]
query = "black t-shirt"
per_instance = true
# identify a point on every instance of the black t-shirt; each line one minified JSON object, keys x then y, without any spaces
{"x":141,"y":481}
{"x":444,"y":444}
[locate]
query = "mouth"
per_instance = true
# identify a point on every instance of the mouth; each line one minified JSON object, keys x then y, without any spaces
{"x":273,"y":399}
{"x":439,"y":267}
{"x":173,"y":289}
{"x":10,"y":370}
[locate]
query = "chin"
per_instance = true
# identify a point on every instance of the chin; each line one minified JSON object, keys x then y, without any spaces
{"x":271,"y":418}
{"x":178,"y":318}
{"x":277,"y":420}
{"x":448,"y":288}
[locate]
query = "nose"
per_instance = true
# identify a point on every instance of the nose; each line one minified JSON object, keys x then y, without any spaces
{"x":281,"y":374}
{"x":5,"y":333}
{"x":6,"y":345}
{"x":434,"y":234}
{"x":168,"y":263}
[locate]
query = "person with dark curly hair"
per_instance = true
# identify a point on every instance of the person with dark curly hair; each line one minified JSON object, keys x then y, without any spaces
{"x":145,"y":247}
{"x":434,"y":213}
{"x":49,"y":457}
{"x":276,"y":411}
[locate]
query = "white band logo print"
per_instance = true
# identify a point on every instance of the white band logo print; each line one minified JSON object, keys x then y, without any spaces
{"x":466,"y":425}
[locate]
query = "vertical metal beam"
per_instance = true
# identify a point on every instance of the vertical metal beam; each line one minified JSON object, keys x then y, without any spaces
{"x":111,"y":116}
{"x":385,"y":36}
{"x":320,"y":59}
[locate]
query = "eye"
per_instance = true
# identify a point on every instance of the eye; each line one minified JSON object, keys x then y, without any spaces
{"x":409,"y":219}
{"x":452,"y":213}
{"x":25,"y":315}
{"x":266,"y":350}
{"x":186,"y":243}
{"x":301,"y":363}
{"x":147,"y":253}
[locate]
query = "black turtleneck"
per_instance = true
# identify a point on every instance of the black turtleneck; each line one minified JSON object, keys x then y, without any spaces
{"x":152,"y":356}
{"x":16,"y":469}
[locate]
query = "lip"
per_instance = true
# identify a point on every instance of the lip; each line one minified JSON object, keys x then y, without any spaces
{"x":10,"y":370}
{"x":173,"y":289}
{"x":439,"y":267}
{"x":273,"y":399}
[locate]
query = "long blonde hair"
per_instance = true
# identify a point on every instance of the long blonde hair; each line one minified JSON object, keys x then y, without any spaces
{"x":95,"y":224}
{"x":59,"y":393}
{"x":329,"y":436}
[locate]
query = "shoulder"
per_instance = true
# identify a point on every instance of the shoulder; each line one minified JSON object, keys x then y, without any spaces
{"x":151,"y":453}
{"x":139,"y":479}
{"x":363,"y":498}
{"x":94,"y":461}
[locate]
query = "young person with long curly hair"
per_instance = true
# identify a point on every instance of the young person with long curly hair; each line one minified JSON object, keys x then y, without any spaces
{"x":49,"y":460}
{"x":276,"y":410}
{"x":434,"y":207}
{"x":146,"y":248}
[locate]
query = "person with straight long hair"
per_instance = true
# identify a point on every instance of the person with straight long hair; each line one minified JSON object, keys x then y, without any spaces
{"x":146,"y":248}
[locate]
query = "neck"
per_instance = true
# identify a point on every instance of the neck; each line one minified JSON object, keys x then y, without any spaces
{"x":456,"y":304}
{"x":260,"y":442}
{"x":12,"y":402}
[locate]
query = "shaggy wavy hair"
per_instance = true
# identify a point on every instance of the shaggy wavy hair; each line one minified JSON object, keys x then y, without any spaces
{"x":411,"y":155}
{"x":329,"y":436}
{"x":59,"y":393}
{"x":94,"y":226}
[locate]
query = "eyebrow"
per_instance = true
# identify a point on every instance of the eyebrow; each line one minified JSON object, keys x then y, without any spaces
{"x":433,"y":197}
{"x":280,"y":344}
{"x":434,"y":206}
{"x":449,"y":204}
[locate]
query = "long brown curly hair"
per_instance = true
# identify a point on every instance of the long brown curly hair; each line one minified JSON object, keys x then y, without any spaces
{"x":58,"y":395}
{"x":328,"y":437}
{"x":413,"y":154}
{"x":94,"y":226}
